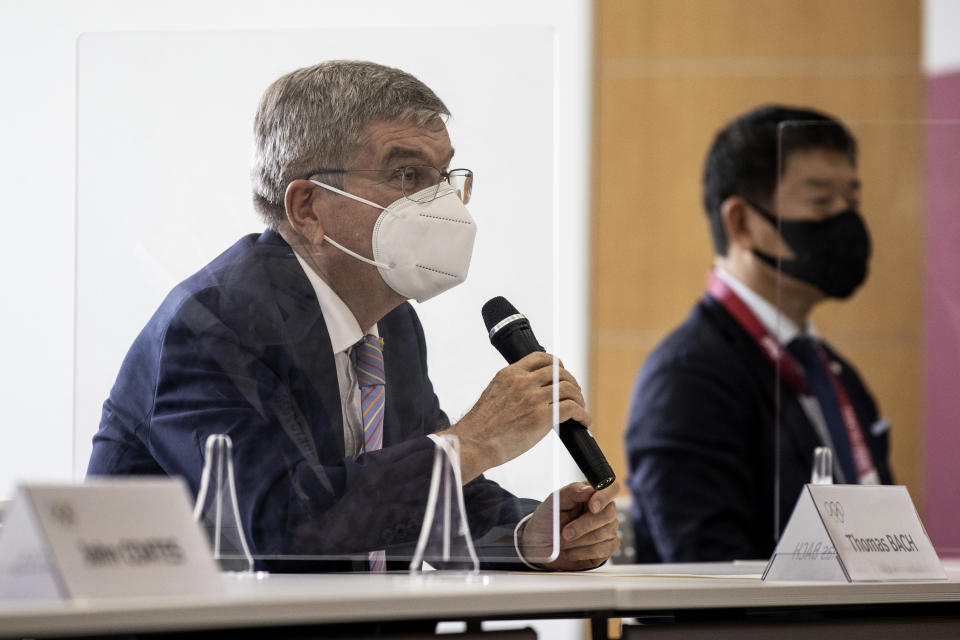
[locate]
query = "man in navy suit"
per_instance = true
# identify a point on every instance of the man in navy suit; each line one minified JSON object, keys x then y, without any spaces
{"x":707,"y":431}
{"x":299,"y":344}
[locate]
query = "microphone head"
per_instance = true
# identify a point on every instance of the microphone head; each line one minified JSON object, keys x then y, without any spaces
{"x":508,"y":329}
{"x":496,"y":310}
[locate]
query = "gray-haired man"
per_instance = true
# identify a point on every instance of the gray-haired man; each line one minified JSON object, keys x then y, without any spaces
{"x":300,"y":344}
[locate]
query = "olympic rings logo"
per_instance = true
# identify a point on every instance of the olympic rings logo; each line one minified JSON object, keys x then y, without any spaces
{"x":833,"y":510}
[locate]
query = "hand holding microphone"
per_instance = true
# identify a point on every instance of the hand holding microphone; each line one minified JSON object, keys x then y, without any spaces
{"x":511,"y":334}
{"x":587,"y":517}
{"x":514,"y":412}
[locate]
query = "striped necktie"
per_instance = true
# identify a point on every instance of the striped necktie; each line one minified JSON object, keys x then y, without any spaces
{"x":367,"y":356}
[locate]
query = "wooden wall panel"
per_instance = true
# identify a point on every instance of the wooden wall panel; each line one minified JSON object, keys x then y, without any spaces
{"x":669,"y":73}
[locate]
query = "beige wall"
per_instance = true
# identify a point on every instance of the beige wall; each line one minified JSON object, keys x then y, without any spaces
{"x":669,"y":73}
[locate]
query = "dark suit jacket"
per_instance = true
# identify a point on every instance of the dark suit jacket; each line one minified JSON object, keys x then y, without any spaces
{"x":700,"y":443}
{"x":241,"y":348}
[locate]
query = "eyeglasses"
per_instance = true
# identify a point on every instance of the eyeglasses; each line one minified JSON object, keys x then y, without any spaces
{"x":415,"y":181}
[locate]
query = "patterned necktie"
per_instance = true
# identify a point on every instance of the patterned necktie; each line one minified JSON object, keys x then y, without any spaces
{"x":367,"y":356}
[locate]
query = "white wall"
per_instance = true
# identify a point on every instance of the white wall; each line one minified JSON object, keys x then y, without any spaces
{"x":163,"y":146}
{"x":941,"y":47}
{"x":38,"y":71}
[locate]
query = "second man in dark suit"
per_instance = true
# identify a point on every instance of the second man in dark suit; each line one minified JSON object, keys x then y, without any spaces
{"x":781,"y":193}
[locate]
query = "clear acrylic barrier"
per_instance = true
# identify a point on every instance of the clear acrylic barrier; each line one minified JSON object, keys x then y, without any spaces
{"x":306,"y":498}
{"x":445,"y":539}
{"x":217,"y":510}
{"x":888,"y":354}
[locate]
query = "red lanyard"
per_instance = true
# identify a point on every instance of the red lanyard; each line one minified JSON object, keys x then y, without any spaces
{"x":778,"y":356}
{"x":858,"y":445}
{"x":792,"y":373}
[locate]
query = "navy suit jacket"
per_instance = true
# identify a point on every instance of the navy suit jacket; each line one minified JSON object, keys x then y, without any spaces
{"x":700,"y":443}
{"x":241,"y":348}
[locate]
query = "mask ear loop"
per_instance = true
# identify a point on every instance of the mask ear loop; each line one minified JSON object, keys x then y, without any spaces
{"x":349,"y":195}
{"x":327,"y":238}
{"x":359,"y":257}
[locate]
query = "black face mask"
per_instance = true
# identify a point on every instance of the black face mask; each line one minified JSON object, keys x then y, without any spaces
{"x":831,"y":254}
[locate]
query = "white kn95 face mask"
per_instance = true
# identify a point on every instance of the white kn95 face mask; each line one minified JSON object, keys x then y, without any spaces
{"x":421,"y":249}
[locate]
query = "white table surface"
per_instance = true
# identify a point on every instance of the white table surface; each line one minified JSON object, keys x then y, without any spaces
{"x":332,"y":598}
{"x":721,"y":585}
{"x":312,"y":599}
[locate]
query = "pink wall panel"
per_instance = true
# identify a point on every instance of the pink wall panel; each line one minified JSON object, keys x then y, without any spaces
{"x":942,"y":339}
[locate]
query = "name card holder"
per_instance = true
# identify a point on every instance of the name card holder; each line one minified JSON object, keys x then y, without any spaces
{"x":854,"y":533}
{"x":104,"y":538}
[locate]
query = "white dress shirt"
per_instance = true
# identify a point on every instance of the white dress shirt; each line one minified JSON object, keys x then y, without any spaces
{"x":344,"y":333}
{"x":774,"y":321}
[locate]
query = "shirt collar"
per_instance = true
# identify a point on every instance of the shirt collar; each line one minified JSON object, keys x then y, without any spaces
{"x":774,"y":321}
{"x":341,"y":324}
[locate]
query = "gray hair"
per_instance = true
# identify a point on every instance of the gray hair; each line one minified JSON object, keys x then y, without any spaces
{"x":316,"y":117}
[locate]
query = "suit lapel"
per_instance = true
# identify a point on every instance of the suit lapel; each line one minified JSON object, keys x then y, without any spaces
{"x":303,"y":331}
{"x":390,"y":420}
{"x":799,"y":435}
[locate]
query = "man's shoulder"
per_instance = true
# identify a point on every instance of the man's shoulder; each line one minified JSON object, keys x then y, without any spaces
{"x":709,"y":354}
{"x":706,"y":382}
{"x":233,"y":284}
{"x":239,"y":266}
{"x":707,"y":335}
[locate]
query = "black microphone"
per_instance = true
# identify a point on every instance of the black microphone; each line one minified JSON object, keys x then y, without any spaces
{"x":511,"y":334}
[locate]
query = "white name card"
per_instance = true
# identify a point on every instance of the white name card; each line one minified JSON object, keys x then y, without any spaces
{"x":854,"y":533}
{"x":104,"y":538}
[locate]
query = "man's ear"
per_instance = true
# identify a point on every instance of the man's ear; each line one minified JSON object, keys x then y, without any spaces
{"x":735,"y":221}
{"x":302,"y":212}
